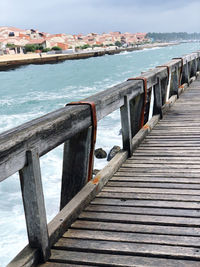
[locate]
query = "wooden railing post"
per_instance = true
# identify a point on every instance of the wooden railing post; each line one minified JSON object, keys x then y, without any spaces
{"x":158,"y":99}
{"x":136,"y":105}
{"x":126,"y":126}
{"x":192,"y":68}
{"x":75,"y":165}
{"x":195,"y":66}
{"x":186,"y":74}
{"x":198,"y":61}
{"x":33,"y":200}
{"x":175,"y":81}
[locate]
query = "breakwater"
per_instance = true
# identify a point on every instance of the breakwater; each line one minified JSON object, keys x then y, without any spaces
{"x":7,"y":62}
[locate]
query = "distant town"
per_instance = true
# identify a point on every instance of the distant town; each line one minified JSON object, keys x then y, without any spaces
{"x":19,"y":41}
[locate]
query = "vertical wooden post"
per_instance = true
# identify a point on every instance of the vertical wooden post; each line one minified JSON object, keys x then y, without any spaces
{"x":33,"y":200}
{"x":164,"y":84}
{"x":136,"y":106}
{"x":75,"y":165}
{"x":175,"y":81}
{"x":192,"y":68}
{"x":198,"y":62}
{"x":186,"y":75}
{"x":195,"y":66}
{"x":126,"y":126}
{"x":158,"y":98}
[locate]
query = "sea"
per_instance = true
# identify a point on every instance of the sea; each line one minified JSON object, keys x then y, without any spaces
{"x":31,"y":91}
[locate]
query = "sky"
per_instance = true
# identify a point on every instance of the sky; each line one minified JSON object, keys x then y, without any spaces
{"x":84,"y":16}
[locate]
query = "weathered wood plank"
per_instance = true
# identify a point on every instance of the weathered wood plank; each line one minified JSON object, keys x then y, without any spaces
{"x":152,"y":185}
{"x":145,"y":196}
{"x":128,"y":173}
{"x":145,"y":210}
{"x":129,"y":248}
{"x":55,"y":264}
{"x":133,"y":237}
{"x":35,"y":214}
{"x":146,"y":203}
{"x":75,"y":165}
{"x":152,"y":190}
{"x":136,"y":228}
{"x":142,"y":219}
{"x":116,"y":260}
{"x":161,"y":166}
{"x":124,"y":177}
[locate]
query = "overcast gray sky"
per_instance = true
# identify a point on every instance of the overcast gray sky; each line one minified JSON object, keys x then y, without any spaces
{"x":83,"y":16}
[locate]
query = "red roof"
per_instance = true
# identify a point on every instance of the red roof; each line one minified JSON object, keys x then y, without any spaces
{"x":37,"y":41}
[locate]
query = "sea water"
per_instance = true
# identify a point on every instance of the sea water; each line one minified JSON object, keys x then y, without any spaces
{"x":34,"y":90}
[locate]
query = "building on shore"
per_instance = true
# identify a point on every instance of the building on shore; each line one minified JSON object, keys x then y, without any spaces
{"x":14,"y":40}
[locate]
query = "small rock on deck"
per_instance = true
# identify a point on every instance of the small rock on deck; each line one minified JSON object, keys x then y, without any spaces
{"x":148,"y":214}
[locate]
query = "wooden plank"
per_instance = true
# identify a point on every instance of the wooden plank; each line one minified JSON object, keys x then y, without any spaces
{"x":131,"y":184}
{"x":55,"y":264}
{"x":112,"y":260}
{"x":145,"y":196}
{"x":75,"y":165}
{"x":129,"y":248}
{"x":35,"y":213}
{"x":122,"y":177}
{"x":145,"y":210}
{"x":164,"y":160}
{"x":161,"y":165}
{"x":155,"y":158}
{"x":128,"y":173}
{"x":152,"y":190}
{"x":161,"y":171}
{"x":142,"y":219}
{"x":136,"y":228}
{"x":146,"y":203}
{"x":133,"y":237}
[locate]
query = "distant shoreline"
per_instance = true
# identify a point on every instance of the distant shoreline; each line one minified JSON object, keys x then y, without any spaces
{"x":12,"y":61}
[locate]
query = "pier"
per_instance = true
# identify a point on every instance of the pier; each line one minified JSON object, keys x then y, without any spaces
{"x":142,"y":209}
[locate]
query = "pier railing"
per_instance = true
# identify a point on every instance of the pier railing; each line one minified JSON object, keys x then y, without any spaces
{"x":21,"y":148}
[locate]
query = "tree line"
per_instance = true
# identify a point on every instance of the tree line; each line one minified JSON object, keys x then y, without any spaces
{"x":173,"y":36}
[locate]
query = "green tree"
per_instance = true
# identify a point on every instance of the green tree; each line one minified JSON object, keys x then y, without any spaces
{"x":10,"y":45}
{"x":118,"y":43}
{"x":56,"y":48}
{"x":46,"y":50}
{"x":30,"y":48}
{"x":85,"y":46}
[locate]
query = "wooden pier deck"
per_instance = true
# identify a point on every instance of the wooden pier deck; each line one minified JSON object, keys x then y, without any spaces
{"x":148,"y":214}
{"x":143,"y":208}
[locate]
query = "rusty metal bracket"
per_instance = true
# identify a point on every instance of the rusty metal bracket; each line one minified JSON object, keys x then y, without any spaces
{"x":94,"y":132}
{"x":145,"y":96}
{"x":181,"y":73}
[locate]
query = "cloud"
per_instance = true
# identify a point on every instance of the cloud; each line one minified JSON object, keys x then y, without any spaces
{"x":74,"y":16}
